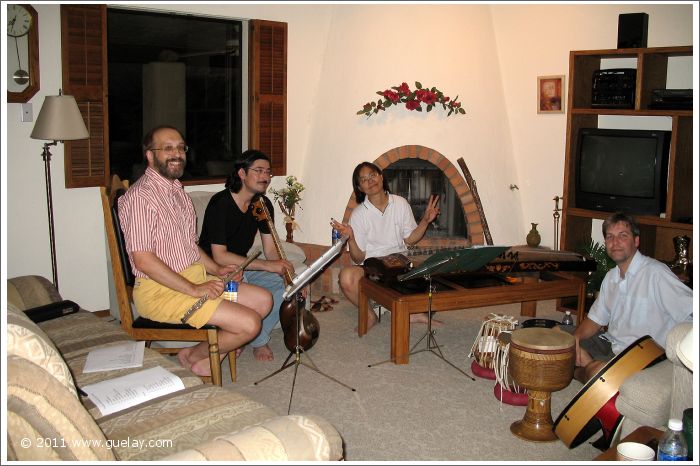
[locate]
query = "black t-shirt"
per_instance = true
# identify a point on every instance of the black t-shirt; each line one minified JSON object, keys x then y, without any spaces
{"x":224,"y":223}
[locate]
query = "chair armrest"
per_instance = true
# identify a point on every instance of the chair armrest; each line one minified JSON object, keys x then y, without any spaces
{"x":51,"y":311}
{"x":675,"y":335}
{"x":282,"y":438}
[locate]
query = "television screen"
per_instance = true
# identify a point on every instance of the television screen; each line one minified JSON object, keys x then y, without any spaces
{"x":622,"y":170}
{"x":618,"y":165}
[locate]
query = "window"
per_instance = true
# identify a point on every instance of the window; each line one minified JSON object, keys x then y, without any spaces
{"x":85,"y":69}
{"x":180,"y":70}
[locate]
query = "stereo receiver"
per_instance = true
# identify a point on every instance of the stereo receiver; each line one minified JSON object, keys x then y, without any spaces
{"x":614,"y":88}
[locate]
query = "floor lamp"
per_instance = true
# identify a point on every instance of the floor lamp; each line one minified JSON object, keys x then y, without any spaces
{"x":59,"y":120}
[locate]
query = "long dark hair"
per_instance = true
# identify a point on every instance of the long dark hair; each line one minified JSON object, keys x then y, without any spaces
{"x":233,"y":182}
{"x":359,"y":195}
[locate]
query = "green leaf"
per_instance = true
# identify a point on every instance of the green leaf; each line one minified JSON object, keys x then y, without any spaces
{"x":429,"y":108}
{"x":462,"y":111}
{"x":419,"y":85}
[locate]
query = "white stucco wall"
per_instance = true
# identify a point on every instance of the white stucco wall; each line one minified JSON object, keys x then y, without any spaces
{"x":339,"y":55}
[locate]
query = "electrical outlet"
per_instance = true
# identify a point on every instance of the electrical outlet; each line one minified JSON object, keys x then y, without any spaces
{"x":27,"y":112}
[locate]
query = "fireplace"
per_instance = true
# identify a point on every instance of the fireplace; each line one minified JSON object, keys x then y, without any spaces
{"x":415,"y":172}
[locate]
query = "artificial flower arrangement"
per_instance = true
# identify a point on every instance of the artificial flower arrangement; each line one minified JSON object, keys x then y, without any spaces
{"x":288,"y":197}
{"x":413,"y":100}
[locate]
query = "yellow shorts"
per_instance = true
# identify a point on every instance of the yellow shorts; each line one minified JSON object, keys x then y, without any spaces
{"x":162,"y":304}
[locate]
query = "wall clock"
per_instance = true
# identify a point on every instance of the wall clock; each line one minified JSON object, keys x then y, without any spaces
{"x":22,"y":53}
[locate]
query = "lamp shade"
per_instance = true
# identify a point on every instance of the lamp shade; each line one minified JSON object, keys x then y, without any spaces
{"x":60,"y":120}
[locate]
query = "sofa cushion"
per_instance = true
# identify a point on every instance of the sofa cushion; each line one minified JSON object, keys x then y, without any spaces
{"x":31,"y":291}
{"x":186,"y":418}
{"x":283,"y":438}
{"x":26,"y":340}
{"x":40,"y":408}
{"x":646,"y":395}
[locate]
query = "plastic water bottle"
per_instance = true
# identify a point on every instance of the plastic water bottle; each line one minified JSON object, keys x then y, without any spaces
{"x":231,"y":291}
{"x":567,"y":320}
{"x":672,"y":446}
{"x":335,"y":237}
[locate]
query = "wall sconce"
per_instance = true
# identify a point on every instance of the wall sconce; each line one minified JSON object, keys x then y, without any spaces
{"x":59,"y":120}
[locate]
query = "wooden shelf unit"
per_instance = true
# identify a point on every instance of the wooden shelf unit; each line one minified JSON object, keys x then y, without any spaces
{"x":657,"y":232}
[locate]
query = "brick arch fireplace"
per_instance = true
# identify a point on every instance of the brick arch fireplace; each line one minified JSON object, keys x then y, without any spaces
{"x":475,"y":232}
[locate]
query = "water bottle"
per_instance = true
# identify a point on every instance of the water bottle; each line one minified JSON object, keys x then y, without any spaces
{"x":335,"y":237}
{"x":567,"y":320}
{"x":673,"y":446}
{"x":231,"y":291}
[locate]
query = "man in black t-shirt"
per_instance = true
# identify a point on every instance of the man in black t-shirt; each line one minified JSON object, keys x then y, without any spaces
{"x":229,"y":229}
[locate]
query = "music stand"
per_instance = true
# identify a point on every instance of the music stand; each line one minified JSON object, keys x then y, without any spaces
{"x":299,"y":282}
{"x":458,"y":260}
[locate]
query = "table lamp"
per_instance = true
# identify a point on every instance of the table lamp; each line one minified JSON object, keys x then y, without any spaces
{"x":59,"y":120}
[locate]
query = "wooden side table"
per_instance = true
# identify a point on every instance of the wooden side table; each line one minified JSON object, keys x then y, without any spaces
{"x":645,"y":434}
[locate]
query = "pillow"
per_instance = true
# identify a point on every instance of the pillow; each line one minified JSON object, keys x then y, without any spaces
{"x":26,"y":340}
{"x":40,"y":409}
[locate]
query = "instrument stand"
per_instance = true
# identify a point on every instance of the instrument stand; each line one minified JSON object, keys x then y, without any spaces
{"x":297,"y":283}
{"x":429,"y":335}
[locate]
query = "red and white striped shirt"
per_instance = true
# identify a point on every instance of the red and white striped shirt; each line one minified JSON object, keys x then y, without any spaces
{"x":157,"y":216}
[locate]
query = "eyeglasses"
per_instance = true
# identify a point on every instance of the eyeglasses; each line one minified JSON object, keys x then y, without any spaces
{"x":262,"y":171}
{"x":170,"y":150}
{"x":371,"y":176}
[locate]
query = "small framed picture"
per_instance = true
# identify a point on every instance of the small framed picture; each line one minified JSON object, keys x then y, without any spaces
{"x":550,"y":94}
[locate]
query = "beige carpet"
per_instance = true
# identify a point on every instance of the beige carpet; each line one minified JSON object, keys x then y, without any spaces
{"x":423,"y":411}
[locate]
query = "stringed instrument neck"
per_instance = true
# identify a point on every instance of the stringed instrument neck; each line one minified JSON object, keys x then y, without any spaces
{"x":261,"y":212}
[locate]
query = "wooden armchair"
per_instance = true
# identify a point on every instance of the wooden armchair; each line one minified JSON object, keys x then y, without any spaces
{"x":141,"y":328}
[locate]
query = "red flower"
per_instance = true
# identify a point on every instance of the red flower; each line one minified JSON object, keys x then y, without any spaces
{"x":412,"y":104}
{"x":403,"y":89}
{"x":391,"y":95}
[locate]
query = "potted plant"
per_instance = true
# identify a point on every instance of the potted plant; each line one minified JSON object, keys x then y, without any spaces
{"x":288,"y":199}
{"x":597,"y":251}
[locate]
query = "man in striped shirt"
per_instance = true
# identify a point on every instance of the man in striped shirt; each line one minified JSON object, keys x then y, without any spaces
{"x":172,"y":271}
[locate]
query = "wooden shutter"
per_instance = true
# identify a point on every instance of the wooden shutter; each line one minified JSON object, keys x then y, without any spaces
{"x":268,"y":91}
{"x":84,"y":55}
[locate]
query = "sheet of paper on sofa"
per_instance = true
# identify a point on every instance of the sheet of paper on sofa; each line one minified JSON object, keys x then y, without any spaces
{"x":121,"y":356}
{"x":129,"y":390}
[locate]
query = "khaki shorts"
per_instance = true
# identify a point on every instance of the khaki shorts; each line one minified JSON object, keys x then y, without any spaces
{"x":162,"y":304}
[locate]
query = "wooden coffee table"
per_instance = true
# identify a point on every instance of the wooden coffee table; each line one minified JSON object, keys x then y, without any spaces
{"x":547,"y":285}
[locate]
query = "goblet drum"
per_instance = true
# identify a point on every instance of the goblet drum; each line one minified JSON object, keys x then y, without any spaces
{"x":542,"y":361}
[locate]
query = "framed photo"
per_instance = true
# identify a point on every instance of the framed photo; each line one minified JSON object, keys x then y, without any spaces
{"x":550,"y":94}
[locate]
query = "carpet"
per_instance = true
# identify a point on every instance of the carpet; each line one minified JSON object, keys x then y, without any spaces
{"x":423,"y":411}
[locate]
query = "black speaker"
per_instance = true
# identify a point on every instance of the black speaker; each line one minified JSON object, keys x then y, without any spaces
{"x":632,"y":30}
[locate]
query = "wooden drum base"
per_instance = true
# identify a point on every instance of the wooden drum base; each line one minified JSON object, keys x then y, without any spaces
{"x":536,"y":425}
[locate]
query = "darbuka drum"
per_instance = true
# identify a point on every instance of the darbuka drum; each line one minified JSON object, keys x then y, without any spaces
{"x":505,"y":389}
{"x":484,"y":346}
{"x":542,"y":361}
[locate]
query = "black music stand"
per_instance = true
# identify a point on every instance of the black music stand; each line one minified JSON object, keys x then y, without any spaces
{"x":299,"y":282}
{"x":458,"y":260}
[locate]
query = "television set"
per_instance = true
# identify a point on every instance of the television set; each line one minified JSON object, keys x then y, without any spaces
{"x":622,"y":170}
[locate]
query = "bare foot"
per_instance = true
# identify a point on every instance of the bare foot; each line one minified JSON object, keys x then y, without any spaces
{"x":263,"y":353}
{"x":423,"y":319}
{"x":202,"y":368}
{"x":183,"y":356}
{"x":371,"y":320}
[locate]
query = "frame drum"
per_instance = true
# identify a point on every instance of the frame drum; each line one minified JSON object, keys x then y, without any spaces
{"x":573,"y":425}
{"x":542,"y":361}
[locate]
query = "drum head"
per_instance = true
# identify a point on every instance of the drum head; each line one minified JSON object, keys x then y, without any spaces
{"x":542,"y":339}
{"x":577,"y":422}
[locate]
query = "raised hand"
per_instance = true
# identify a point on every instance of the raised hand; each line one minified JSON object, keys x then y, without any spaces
{"x":432,"y":210}
{"x":344,"y":229}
